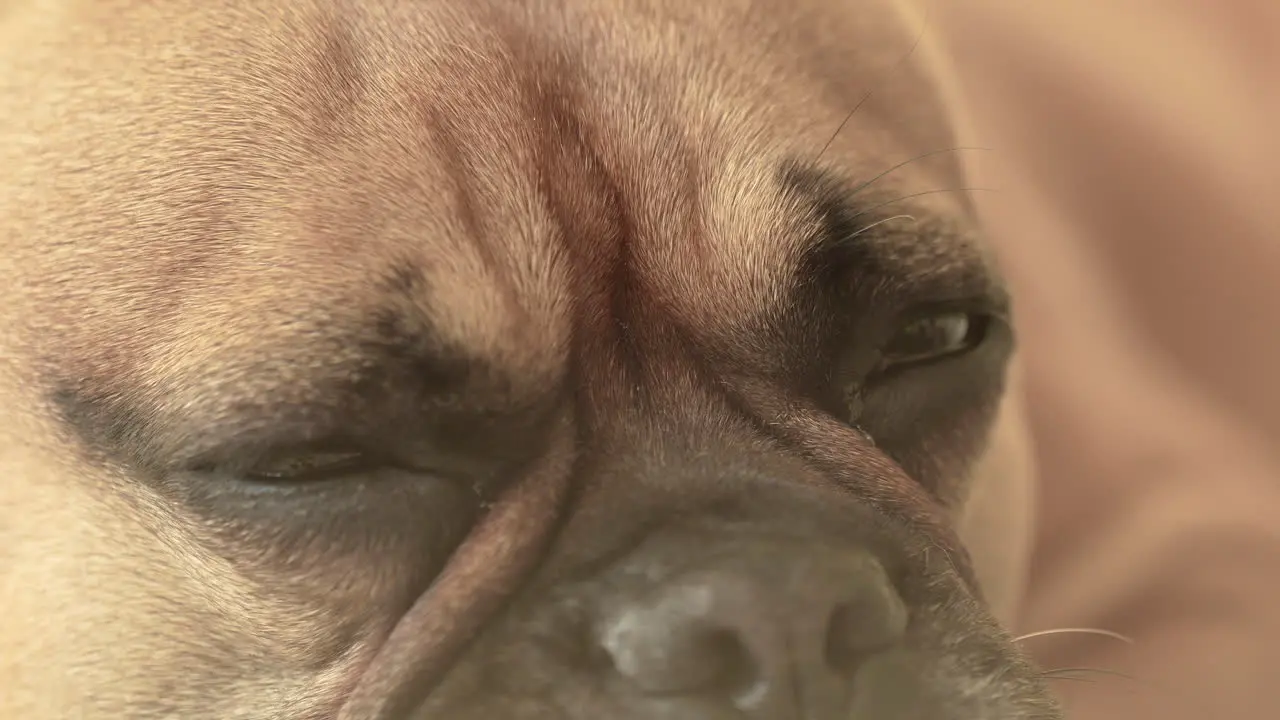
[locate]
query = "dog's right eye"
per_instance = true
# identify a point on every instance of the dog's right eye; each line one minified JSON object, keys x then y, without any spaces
{"x":932,"y":337}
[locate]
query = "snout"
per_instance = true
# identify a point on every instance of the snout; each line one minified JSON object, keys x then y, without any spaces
{"x":765,"y":635}
{"x":774,"y":610}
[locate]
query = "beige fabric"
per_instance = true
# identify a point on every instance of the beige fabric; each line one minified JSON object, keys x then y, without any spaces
{"x":1138,"y":215}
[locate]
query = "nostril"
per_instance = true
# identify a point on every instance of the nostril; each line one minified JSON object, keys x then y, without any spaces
{"x":737,"y":673}
{"x":864,"y":627}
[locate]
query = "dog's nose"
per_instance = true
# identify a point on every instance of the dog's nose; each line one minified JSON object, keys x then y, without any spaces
{"x":760,"y":642}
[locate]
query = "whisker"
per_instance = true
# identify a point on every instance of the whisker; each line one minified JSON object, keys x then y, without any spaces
{"x":1073,"y":673}
{"x":1070,"y":678}
{"x":877,"y":206}
{"x":1076,"y":631}
{"x":924,"y":25}
{"x":1059,"y":673}
{"x":862,"y":186}
{"x":840,"y":127}
{"x":865,"y":228}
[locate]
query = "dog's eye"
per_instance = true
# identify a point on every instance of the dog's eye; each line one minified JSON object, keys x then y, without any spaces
{"x":933,"y":337}
{"x":306,"y":466}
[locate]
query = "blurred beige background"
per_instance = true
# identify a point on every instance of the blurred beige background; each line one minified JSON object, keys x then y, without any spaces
{"x":1138,"y":214}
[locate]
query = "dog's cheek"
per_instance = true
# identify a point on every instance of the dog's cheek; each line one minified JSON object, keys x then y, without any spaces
{"x":105,"y":616}
{"x":996,"y":519}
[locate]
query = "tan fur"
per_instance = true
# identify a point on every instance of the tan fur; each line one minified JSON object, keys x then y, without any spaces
{"x":202,"y":194}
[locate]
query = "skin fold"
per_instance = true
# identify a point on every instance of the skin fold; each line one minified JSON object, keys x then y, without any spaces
{"x":462,"y":359}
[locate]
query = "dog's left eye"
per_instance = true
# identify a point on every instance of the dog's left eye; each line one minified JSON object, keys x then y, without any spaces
{"x":933,"y":337}
{"x":306,"y":466}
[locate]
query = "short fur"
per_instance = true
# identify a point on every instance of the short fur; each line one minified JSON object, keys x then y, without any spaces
{"x":601,"y":277}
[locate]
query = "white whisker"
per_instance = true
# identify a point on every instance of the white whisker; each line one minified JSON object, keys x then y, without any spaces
{"x":879,"y":222}
{"x":1076,"y":631}
{"x":1069,"y":673}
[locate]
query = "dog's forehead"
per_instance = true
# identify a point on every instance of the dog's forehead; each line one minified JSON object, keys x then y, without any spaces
{"x":521,"y":131}
{"x":478,"y":167}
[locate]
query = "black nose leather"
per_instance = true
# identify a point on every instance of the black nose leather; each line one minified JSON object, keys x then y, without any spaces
{"x":759,"y":640}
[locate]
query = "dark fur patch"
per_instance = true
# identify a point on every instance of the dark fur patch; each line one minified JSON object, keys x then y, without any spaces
{"x":106,"y":427}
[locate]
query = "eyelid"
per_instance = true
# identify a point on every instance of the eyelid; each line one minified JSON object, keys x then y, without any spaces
{"x":332,"y":463}
{"x":978,"y":322}
{"x":241,"y":459}
{"x":994,"y":305}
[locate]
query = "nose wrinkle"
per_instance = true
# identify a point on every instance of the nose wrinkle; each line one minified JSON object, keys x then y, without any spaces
{"x":469,"y":590}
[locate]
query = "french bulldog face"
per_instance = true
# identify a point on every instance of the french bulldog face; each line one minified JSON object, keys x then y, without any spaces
{"x":481,"y":360}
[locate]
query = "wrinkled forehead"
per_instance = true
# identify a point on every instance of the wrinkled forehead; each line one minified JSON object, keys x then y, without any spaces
{"x":705,"y":143}
{"x":478,"y":174}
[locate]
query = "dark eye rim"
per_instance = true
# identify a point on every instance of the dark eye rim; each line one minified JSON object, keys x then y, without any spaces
{"x":351,"y":460}
{"x":981,"y":317}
